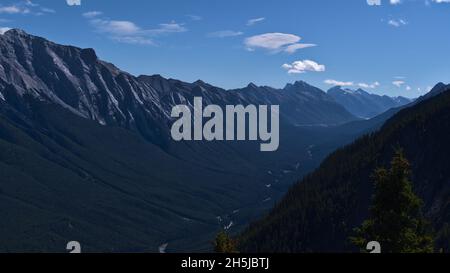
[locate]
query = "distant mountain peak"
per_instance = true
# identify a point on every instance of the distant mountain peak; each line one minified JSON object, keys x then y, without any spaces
{"x":338,"y":88}
{"x":17,"y":31}
{"x":364,"y":104}
{"x":438,"y":86}
{"x":361,"y":91}
{"x":436,"y":90}
{"x":78,"y":80}
{"x":297,"y":84}
{"x":300,"y":83}
{"x":301,"y":86}
{"x":200,"y":82}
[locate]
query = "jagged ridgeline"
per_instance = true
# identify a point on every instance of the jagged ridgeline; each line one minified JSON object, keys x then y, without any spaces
{"x":320,"y":213}
{"x":363,"y":104}
{"x":86,"y":154}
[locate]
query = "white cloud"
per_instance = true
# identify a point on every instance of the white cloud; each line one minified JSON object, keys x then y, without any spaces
{"x":225,"y":33}
{"x":398,"y":83}
{"x":194,"y":17}
{"x":254,"y":21}
{"x":299,"y":67}
{"x":128,"y":32}
{"x":408,"y":88}
{"x":172,"y":27}
{"x":130,"y":28}
{"x":275,"y":42}
{"x":294,"y":47}
{"x":272,"y":41}
{"x":338,"y":83}
{"x":441,"y":1}
{"x":3,"y":30}
{"x":116,"y":27}
{"x":374,"y":2}
{"x":397,"y":23}
{"x":392,"y":2}
{"x":30,"y":3}
{"x":362,"y":85}
{"x":47,"y":10}
{"x":137,"y":40}
{"x":73,"y":2}
{"x":25,"y":7}
{"x":122,"y":31}
{"x":92,"y":14}
{"x":369,"y":86}
{"x":14,"y":10}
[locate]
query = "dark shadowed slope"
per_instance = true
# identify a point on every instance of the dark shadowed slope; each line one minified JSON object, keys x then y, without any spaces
{"x":319,"y":213}
{"x":86,"y":154}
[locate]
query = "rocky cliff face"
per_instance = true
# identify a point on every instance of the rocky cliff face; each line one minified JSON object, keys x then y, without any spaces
{"x":77,"y":80}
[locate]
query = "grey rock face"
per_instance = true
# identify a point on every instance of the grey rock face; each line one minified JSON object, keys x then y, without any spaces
{"x":77,"y":80}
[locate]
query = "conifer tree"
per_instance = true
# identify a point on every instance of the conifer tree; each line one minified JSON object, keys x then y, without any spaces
{"x":224,"y":244}
{"x":395,"y":221}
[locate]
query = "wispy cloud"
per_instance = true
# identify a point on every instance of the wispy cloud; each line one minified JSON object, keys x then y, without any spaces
{"x":92,"y":14}
{"x":14,"y":9}
{"x":395,"y":2}
{"x":398,"y":83}
{"x":116,"y":27}
{"x":351,"y":83}
{"x":294,"y":47}
{"x":194,"y":17}
{"x":276,"y":42}
{"x":254,"y":21}
{"x":374,"y":2}
{"x":368,"y":85}
{"x":397,"y":22}
{"x":225,"y":33}
{"x":172,"y":27}
{"x":125,"y":31}
{"x":73,"y":2}
{"x":25,"y":7}
{"x":47,"y":10}
{"x":378,"y":2}
{"x":122,"y":31}
{"x":339,"y":83}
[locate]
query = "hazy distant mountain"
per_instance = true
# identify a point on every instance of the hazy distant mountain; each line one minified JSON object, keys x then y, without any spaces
{"x":300,"y":103}
{"x":86,"y":154}
{"x":320,"y":212}
{"x":363,"y":104}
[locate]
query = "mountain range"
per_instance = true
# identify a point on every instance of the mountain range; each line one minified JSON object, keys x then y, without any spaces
{"x":363,"y":104}
{"x":86,"y":153}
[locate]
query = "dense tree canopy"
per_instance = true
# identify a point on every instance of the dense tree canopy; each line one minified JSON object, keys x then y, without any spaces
{"x":396,"y":220}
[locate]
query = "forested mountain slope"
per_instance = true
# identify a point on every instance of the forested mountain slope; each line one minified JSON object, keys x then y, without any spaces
{"x":320,"y":212}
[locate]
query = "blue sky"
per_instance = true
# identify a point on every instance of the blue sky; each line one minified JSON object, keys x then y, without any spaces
{"x":387,"y":47}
